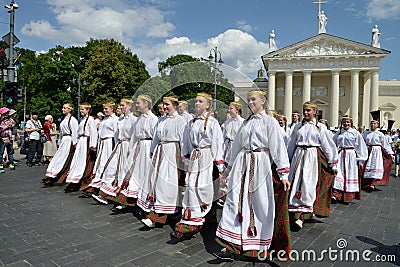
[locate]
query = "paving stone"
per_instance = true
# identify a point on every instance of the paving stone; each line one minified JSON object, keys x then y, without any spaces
{"x":46,"y":227}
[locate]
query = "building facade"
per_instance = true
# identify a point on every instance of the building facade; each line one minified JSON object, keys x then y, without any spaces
{"x":340,"y":75}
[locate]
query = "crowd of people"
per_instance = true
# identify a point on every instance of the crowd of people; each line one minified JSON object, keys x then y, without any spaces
{"x":268,"y":176}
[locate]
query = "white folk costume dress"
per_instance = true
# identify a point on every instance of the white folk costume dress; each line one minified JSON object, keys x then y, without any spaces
{"x":229,"y":130}
{"x":160,"y":190}
{"x":108,"y":137}
{"x":248,"y":214}
{"x":201,"y":150}
{"x":116,"y":165}
{"x":375,"y":140}
{"x":139,"y":161}
{"x":187,"y":116}
{"x":352,"y":149}
{"x":304,"y":141}
{"x":87,"y":140}
{"x":66,"y":141}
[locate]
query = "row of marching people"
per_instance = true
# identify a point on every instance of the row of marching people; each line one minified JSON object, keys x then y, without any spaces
{"x":174,"y":169}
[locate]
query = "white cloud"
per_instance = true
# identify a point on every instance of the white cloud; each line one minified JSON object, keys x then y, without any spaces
{"x":137,"y":27}
{"x":77,"y":21}
{"x":383,"y":9}
{"x":242,"y":25}
{"x":239,"y":50}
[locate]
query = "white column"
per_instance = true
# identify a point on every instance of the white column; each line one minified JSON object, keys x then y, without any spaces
{"x":335,"y":99}
{"x":288,"y":94}
{"x":374,"y":97}
{"x":354,"y":97}
{"x":271,"y":89}
{"x":366,"y":100}
{"x":306,"y":86}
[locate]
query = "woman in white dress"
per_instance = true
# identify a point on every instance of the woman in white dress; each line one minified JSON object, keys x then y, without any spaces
{"x":159,"y":195}
{"x":59,"y":166}
{"x":247,"y":222}
{"x":202,"y":148}
{"x":380,"y":156}
{"x":116,"y":165}
{"x":139,"y":161}
{"x":352,"y":154}
{"x":80,"y":171}
{"x":107,"y":138}
{"x":309,"y":145}
{"x":229,"y":130}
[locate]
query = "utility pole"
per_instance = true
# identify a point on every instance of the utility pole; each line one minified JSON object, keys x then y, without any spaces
{"x":11,"y":76}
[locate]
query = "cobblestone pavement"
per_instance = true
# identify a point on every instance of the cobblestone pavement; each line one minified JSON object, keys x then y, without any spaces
{"x":47,"y":227}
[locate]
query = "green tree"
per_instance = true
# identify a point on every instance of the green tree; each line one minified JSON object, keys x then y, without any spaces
{"x":111,"y":72}
{"x":188,"y":76}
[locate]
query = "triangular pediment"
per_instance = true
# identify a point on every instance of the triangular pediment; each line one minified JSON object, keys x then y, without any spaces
{"x":325,"y":45}
{"x":388,"y":106}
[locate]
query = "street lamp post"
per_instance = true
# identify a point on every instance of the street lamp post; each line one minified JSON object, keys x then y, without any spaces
{"x":219,"y":61}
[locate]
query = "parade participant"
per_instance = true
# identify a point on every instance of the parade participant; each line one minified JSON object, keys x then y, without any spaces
{"x":310,"y":147}
{"x":202,"y":147}
{"x":116,"y":165}
{"x":352,"y":152}
{"x":59,"y":166}
{"x":285,"y":130}
{"x":295,"y":120}
{"x":159,"y":195}
{"x":139,"y":161}
{"x":182,"y":110}
{"x":247,"y":223}
{"x":380,"y":155}
{"x":161,"y":110}
{"x":229,"y":130}
{"x":80,"y":171}
{"x":107,"y":138}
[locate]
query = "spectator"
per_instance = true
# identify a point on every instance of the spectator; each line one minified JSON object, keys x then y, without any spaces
{"x":34,"y":128}
{"x":6,"y":141}
{"x":50,"y":147}
{"x":99,"y":118}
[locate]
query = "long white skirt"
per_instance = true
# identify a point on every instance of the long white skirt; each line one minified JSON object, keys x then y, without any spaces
{"x":166,"y":188}
{"x":347,"y":165}
{"x":116,"y":168}
{"x":104,"y":152}
{"x":140,"y":170}
{"x":230,"y":229}
{"x":60,"y":158}
{"x":205,"y":189}
{"x":78,"y":164}
{"x":303,"y":179}
{"x":374,"y":166}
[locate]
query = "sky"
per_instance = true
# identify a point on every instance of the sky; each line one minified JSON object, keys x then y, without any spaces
{"x":157,"y":29}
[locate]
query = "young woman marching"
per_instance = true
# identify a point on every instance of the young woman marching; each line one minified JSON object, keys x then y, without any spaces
{"x":59,"y":165}
{"x":82,"y":163}
{"x":352,"y":152}
{"x":380,"y":157}
{"x":309,"y":146}
{"x":229,"y":130}
{"x":202,"y":146}
{"x":159,"y":195}
{"x":114,"y":169}
{"x":139,"y":161}
{"x":108,"y":137}
{"x":247,"y":222}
